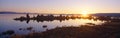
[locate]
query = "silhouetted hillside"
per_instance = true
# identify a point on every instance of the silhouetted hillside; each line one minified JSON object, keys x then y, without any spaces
{"x":107,"y":14}
{"x":7,"y":12}
{"x":97,"y":14}
{"x":14,"y":13}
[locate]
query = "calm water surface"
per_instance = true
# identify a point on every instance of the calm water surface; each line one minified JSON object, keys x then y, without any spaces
{"x":7,"y":23}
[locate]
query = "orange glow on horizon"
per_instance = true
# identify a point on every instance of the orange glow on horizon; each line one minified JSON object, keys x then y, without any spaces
{"x":85,"y":14}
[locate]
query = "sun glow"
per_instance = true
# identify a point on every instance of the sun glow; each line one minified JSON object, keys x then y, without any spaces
{"x":84,"y":14}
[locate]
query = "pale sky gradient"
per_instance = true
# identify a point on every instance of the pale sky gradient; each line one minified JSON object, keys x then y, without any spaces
{"x":61,"y":6}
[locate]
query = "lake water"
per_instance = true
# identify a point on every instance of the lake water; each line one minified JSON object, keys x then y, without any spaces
{"x":7,"y":23}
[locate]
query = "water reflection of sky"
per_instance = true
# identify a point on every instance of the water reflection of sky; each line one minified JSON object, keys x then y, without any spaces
{"x":7,"y":23}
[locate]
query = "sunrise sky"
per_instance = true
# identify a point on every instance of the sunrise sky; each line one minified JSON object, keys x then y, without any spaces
{"x":61,"y":6}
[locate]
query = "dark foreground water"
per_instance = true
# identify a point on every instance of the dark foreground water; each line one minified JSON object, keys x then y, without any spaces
{"x":8,"y":26}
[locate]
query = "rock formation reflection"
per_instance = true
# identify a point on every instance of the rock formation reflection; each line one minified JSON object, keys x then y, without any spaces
{"x":50,"y":17}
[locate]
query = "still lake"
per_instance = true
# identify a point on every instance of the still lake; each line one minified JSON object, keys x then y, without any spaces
{"x":21,"y":27}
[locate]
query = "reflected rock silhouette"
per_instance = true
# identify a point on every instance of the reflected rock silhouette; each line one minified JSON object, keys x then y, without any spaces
{"x":50,"y":17}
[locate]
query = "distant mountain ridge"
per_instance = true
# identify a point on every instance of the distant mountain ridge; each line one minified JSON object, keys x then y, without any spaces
{"x":14,"y":13}
{"x":107,"y":14}
{"x":97,"y":14}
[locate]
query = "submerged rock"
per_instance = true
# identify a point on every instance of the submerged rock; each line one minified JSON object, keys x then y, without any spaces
{"x":9,"y":32}
{"x":29,"y":28}
{"x":44,"y":26}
